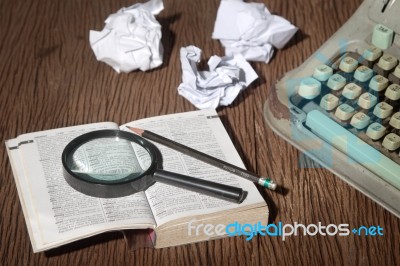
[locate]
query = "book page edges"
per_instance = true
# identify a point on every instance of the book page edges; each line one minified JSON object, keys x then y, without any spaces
{"x":176,"y":232}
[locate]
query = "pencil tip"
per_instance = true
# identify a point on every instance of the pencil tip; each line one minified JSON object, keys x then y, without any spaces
{"x":136,"y":130}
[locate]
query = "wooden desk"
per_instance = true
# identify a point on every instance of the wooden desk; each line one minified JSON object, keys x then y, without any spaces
{"x":49,"y":78}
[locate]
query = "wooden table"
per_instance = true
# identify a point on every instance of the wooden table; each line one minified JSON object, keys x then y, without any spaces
{"x":49,"y":78}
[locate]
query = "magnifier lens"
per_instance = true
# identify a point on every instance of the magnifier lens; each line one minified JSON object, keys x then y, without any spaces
{"x":109,"y":160}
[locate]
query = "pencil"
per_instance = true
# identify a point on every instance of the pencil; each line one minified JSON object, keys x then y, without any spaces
{"x":263,"y":181}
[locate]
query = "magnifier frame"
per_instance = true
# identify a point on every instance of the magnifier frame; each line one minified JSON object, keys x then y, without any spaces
{"x":119,"y":188}
{"x":109,"y":189}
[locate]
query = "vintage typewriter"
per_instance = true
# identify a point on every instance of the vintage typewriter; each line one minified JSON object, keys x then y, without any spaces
{"x":341,"y":107}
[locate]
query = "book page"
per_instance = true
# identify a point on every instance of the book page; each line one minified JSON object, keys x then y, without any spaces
{"x":56,"y":213}
{"x":203,"y":131}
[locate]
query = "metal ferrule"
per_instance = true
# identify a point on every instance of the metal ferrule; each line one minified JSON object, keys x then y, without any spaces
{"x":267,"y":182}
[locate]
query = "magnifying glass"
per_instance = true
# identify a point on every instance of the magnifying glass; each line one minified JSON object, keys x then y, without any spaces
{"x":115,"y":163}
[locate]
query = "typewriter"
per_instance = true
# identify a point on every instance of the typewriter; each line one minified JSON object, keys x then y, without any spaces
{"x":341,"y":107}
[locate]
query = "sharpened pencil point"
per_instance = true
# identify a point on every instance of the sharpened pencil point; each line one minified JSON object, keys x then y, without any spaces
{"x":136,"y":130}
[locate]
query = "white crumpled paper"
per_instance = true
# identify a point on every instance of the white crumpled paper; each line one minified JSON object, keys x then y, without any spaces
{"x":131,"y":38}
{"x":251,"y":30}
{"x":227,"y":76}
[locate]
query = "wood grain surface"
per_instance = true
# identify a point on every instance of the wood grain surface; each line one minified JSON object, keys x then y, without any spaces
{"x":49,"y":78}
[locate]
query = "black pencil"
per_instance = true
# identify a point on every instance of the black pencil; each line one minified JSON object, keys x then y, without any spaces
{"x":263,"y":181}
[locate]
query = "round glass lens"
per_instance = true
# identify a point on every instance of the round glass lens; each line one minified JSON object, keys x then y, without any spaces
{"x":109,"y":160}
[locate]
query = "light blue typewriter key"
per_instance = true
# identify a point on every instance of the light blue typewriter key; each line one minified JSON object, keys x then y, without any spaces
{"x":360,"y":121}
{"x":382,"y":36}
{"x":376,"y":131}
{"x":309,"y":88}
{"x":329,"y":102}
{"x":336,"y":82}
{"x":378,"y":83}
{"x":322,"y":72}
{"x":394,"y":76}
{"x":348,"y":64}
{"x":396,"y":72}
{"x":351,"y":91}
{"x":387,"y":61}
{"x":383,"y":110}
{"x":393,"y":92}
{"x":395,"y":120}
{"x":372,"y":53}
{"x":363,"y":73}
{"x":354,"y":147}
{"x":391,"y":142}
{"x":344,"y":112}
{"x":367,"y":101}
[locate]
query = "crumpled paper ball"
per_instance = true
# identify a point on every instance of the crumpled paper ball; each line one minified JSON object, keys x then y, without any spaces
{"x":220,"y":85}
{"x":251,"y":30}
{"x":131,"y":38}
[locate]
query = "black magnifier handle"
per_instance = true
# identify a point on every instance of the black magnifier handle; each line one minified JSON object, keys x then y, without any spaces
{"x":230,"y":193}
